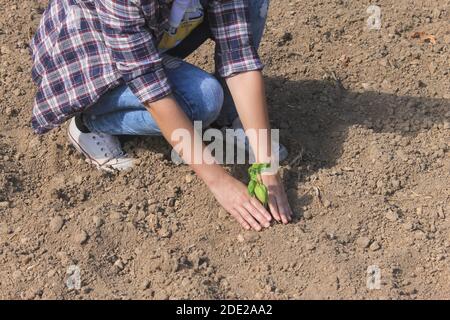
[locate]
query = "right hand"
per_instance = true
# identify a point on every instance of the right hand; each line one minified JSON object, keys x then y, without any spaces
{"x":234,"y":198}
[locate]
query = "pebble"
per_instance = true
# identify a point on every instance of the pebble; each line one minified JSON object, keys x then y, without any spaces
{"x":251,"y":237}
{"x":9,"y":111}
{"x":171,"y":202}
{"x":392,"y":215}
{"x":4,"y":204}
{"x":81,"y":237}
{"x":145,"y":285}
{"x":165,"y":232}
{"x":87,"y":290}
{"x":419,"y":235}
{"x":375,"y":246}
{"x":56,"y":224}
{"x":189,"y":178}
{"x":440,"y":212}
{"x":307,"y":215}
{"x":327,"y":204}
{"x":98,"y":221}
{"x":240,"y":238}
{"x":161,"y":295}
{"x":17,"y":274}
{"x":4,"y":229}
{"x":223,"y":214}
{"x":408,"y":226}
{"x":363,"y":242}
{"x":116,"y":216}
{"x":119,"y":264}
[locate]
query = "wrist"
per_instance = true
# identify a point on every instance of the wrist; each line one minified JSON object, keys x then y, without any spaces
{"x":212,"y":175}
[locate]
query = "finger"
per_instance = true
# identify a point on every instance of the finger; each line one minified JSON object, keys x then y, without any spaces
{"x":289,"y":210}
{"x":273,"y":206}
{"x":261,"y":209}
{"x":283,"y":208}
{"x":288,"y":207}
{"x":249,"y":219}
{"x":284,"y":214}
{"x":256,"y":214}
{"x":241,"y":220}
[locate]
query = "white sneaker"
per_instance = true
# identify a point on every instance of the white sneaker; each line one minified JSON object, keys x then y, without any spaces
{"x":102,"y":150}
{"x":241,"y":140}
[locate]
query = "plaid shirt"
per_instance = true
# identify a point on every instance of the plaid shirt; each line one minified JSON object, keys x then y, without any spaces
{"x":83,"y":48}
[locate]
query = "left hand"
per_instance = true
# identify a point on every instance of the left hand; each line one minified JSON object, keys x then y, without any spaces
{"x":278,"y":201}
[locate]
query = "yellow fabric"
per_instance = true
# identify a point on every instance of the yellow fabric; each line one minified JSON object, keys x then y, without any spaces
{"x":192,"y":19}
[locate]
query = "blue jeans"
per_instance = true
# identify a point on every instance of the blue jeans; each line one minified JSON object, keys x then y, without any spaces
{"x":202,"y":96}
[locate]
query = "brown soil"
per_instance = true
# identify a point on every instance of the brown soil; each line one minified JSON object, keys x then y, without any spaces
{"x":366,"y":117}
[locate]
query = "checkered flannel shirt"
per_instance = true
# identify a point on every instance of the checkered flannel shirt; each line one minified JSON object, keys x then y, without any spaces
{"x":83,"y":48}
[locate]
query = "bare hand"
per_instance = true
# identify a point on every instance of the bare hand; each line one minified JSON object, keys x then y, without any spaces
{"x":278,"y":201}
{"x":234,"y":198}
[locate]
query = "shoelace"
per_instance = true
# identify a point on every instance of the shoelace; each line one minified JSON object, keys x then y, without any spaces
{"x":108,"y":146}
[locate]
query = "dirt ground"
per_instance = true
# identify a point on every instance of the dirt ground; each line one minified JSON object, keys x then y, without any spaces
{"x":365,"y":115}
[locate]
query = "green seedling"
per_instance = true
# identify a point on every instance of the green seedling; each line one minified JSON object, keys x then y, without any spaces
{"x":256,"y":187}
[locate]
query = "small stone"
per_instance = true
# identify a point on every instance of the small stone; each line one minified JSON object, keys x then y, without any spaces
{"x":310,"y":247}
{"x":171,"y":202}
{"x":51,"y":273}
{"x":98,"y":221}
{"x":251,"y":237}
{"x":5,"y":229}
{"x":396,"y":184}
{"x":145,"y":285}
{"x":119,"y":264}
{"x":441,"y":213}
{"x":240,"y":238}
{"x":116,"y":216}
{"x":56,"y":224}
{"x":4,"y":204}
{"x":165,"y":232}
{"x":307,"y":215}
{"x":419,"y":235}
{"x":17,"y":274}
{"x":9,"y":111}
{"x":189,"y":178}
{"x":366,"y":85}
{"x":363,"y":242}
{"x":408,"y":226}
{"x":223,"y":214}
{"x":161,"y":295}
{"x":81,"y":237}
{"x":327,"y":204}
{"x":392,"y":215}
{"x":87,"y":290}
{"x":375,"y":246}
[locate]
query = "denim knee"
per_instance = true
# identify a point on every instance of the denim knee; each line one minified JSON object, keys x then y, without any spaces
{"x":212,"y":101}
